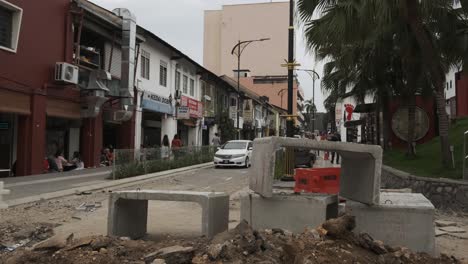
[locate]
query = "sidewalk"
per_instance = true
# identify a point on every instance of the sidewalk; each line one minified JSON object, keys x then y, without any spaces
{"x":49,"y":186}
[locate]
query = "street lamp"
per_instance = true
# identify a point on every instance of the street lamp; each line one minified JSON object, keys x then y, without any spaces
{"x":315,"y":76}
{"x":237,"y":50}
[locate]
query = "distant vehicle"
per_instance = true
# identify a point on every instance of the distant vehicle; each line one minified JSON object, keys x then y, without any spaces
{"x":236,"y":153}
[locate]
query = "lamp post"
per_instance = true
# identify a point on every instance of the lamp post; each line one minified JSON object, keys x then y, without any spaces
{"x":237,"y":50}
{"x":315,"y":76}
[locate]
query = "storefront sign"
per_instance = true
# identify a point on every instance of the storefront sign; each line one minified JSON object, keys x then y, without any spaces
{"x":195,"y":107}
{"x":183,"y":112}
{"x":156,"y":103}
{"x":233,"y":112}
{"x":248,"y":111}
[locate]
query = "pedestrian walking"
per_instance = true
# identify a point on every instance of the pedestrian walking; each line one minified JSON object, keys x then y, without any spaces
{"x":337,"y":138}
{"x":216,"y":141}
{"x":165,"y":148}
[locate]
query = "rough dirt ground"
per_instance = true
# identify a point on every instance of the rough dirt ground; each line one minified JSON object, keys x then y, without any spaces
{"x":30,"y":223}
{"x":334,"y":243}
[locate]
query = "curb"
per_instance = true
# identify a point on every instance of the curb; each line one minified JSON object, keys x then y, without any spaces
{"x":112,"y":183}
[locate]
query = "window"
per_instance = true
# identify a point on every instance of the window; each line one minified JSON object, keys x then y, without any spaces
{"x":185,"y":84}
{"x":450,"y":84}
{"x":446,"y":85}
{"x":10,"y":23}
{"x":145,"y":64}
{"x":192,"y":87}
{"x":163,"y":73}
{"x":177,"y":80}
{"x":226,"y":100}
{"x":233,"y":101}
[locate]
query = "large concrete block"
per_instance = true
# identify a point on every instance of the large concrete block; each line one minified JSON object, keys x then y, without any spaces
{"x":3,"y":205}
{"x":288,"y":211}
{"x":128,"y":210}
{"x":401,"y":219}
{"x":361,"y":166}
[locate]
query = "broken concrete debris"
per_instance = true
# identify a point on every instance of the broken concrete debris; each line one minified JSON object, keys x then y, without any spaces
{"x":239,"y":245}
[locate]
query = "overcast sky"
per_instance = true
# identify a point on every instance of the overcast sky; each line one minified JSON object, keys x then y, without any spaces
{"x":180,"y":22}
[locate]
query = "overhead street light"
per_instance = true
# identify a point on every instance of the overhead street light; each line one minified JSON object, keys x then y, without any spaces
{"x":315,"y":76}
{"x":237,"y":50}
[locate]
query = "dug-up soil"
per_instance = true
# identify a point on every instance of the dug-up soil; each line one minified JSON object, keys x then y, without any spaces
{"x":333,"y":242}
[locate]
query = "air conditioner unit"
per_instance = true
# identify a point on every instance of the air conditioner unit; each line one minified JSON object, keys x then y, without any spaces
{"x":117,"y":116}
{"x":66,"y":72}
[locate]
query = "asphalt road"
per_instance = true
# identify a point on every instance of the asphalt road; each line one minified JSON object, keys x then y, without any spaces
{"x":201,"y":179}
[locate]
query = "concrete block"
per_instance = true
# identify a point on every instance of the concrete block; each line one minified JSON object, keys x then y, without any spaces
{"x":3,"y":205}
{"x":401,"y":219}
{"x":288,"y":211}
{"x":128,"y":210}
{"x":361,"y":166}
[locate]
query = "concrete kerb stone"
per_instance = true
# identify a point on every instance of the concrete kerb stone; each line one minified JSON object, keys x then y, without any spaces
{"x":128,"y":210}
{"x":401,"y":219}
{"x":3,"y":205}
{"x":288,"y":211}
{"x":360,"y":167}
{"x":112,"y":184}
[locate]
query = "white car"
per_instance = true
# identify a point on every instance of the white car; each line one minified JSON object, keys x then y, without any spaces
{"x":234,"y":153}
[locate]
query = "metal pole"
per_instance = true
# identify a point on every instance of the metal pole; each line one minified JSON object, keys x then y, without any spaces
{"x":238,"y":88}
{"x":313,"y":103}
{"x":290,"y":120}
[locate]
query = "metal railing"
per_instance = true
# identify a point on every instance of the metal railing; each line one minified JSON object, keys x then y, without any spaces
{"x":465,"y":156}
{"x":134,"y":162}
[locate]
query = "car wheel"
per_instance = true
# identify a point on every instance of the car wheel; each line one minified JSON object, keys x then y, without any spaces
{"x":247,"y":162}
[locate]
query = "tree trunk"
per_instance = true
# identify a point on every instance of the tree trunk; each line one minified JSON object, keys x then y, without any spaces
{"x":411,"y":125}
{"x":431,"y":57}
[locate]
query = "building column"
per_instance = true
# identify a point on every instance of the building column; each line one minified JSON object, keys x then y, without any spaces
{"x":91,"y":141}
{"x":31,"y":138}
{"x":126,"y":139}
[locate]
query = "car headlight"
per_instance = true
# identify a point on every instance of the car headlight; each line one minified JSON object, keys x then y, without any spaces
{"x":237,"y":156}
{"x":219,"y":156}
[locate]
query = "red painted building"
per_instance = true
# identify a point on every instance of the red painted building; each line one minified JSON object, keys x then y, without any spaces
{"x":461,"y":87}
{"x":39,"y":115}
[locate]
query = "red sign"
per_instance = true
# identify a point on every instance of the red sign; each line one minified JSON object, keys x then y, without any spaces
{"x":195,"y":107}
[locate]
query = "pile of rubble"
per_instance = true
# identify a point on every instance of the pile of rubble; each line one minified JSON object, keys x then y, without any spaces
{"x":333,"y":242}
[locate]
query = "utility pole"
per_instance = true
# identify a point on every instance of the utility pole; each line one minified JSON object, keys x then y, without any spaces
{"x":290,"y":119}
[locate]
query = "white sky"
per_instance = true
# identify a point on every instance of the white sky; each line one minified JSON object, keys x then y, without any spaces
{"x":180,"y":22}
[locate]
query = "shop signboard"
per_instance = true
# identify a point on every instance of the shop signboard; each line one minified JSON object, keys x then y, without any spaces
{"x":195,"y":107}
{"x":248,"y":111}
{"x":183,"y":112}
{"x":233,"y":112}
{"x":156,"y":103}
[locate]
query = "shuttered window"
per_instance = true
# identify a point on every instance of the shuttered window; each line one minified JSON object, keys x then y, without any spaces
{"x":192,"y":87}
{"x":163,"y":74}
{"x":185,"y":84}
{"x":145,"y":64}
{"x":6,"y":27}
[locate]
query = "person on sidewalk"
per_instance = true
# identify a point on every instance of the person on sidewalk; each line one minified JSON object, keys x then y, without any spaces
{"x":216,"y":140}
{"x":77,"y":161}
{"x":165,"y":148}
{"x":176,"y":145}
{"x":337,"y":138}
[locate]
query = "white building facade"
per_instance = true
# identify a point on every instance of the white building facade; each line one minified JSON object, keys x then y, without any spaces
{"x":451,"y":92}
{"x":166,"y":82}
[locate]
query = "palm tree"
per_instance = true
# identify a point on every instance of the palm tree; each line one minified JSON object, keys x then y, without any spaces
{"x":379,"y":47}
{"x":310,"y":110}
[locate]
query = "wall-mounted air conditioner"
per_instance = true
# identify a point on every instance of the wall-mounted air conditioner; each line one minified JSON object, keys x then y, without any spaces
{"x":66,"y":72}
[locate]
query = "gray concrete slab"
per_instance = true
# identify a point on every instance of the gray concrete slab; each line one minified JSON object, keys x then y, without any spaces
{"x":360,"y":168}
{"x":287,"y":211}
{"x":401,"y":219}
{"x":128,"y":210}
{"x":3,"y":205}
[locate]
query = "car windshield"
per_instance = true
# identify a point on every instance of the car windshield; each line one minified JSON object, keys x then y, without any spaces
{"x":235,"y":145}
